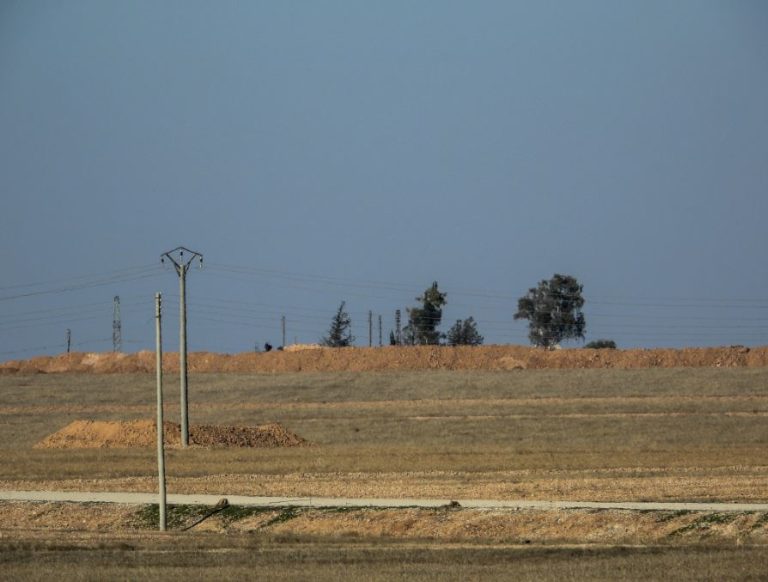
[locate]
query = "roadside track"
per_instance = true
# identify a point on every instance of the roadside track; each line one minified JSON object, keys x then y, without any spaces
{"x":325,"y":502}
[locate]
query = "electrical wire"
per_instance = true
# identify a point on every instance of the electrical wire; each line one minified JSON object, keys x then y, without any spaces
{"x":634,"y":318}
{"x":77,"y":287}
{"x":482,"y":293}
{"x":71,"y":280}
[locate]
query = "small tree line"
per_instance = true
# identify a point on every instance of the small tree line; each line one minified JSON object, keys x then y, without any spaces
{"x":553,"y":310}
{"x":421,"y":329}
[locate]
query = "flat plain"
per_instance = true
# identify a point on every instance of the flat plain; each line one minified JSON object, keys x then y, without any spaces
{"x":660,"y":434}
{"x":696,"y":434}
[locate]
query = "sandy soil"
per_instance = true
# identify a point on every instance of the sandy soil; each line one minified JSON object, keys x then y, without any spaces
{"x":397,"y":358}
{"x":96,"y":434}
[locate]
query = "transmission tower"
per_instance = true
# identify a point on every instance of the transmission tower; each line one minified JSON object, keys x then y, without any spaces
{"x":117,"y":326}
{"x":181,"y":263}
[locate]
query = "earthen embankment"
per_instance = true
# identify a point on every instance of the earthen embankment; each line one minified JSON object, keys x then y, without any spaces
{"x":397,"y":358}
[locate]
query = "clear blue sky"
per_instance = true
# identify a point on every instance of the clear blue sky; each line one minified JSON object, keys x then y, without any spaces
{"x":320,"y":151}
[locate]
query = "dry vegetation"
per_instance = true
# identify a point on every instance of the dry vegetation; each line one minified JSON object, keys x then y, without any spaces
{"x":390,"y":358}
{"x":279,"y":557}
{"x":659,"y":434}
{"x":664,"y":434}
{"x":118,"y":542}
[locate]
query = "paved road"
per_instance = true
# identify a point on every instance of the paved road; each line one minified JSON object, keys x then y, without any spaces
{"x":211,"y":500}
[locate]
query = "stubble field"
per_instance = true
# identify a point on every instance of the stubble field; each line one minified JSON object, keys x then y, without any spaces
{"x":695,"y":434}
{"x":661,"y":434}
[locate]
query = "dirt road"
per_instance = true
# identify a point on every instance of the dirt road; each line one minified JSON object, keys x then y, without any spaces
{"x":250,"y":501}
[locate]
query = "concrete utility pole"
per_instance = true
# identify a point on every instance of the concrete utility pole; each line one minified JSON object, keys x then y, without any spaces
{"x":69,"y":339}
{"x":181,"y":263}
{"x":370,"y":328}
{"x":117,"y":326}
{"x":160,"y":435}
{"x":282,"y":324}
{"x":381,"y":342}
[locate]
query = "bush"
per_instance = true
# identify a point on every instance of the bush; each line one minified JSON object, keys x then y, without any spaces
{"x":601,"y":344}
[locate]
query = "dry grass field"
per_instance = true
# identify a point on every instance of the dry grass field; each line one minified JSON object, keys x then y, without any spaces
{"x":132,"y":557}
{"x":246,"y":557}
{"x":665,"y":434}
{"x":656,"y":434}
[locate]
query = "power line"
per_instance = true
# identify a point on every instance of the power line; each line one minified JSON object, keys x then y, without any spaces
{"x":482,"y":293}
{"x":77,"y":287}
{"x":69,"y":280}
{"x":60,"y":346}
{"x":631,"y":317}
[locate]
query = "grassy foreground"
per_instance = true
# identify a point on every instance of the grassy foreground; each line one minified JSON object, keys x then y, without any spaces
{"x":158,"y":557}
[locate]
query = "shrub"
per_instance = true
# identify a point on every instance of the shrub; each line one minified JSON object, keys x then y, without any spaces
{"x":601,"y":344}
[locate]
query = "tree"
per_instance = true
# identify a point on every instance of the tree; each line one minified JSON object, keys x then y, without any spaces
{"x":423,"y":321}
{"x":464,"y":333}
{"x":601,"y":344}
{"x":553,"y":311}
{"x":340,"y":332}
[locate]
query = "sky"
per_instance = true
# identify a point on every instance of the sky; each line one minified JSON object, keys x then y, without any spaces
{"x":327,"y":151}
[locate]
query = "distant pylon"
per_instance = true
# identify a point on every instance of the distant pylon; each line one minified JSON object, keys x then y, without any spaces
{"x":117,"y":327}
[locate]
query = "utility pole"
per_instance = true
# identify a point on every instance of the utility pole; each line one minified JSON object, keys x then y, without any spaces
{"x":181,"y":263}
{"x":282,"y":324}
{"x":381,"y":343}
{"x":117,"y":331}
{"x":69,"y":339}
{"x":160,"y":435}
{"x":370,"y":328}
{"x":398,"y":332}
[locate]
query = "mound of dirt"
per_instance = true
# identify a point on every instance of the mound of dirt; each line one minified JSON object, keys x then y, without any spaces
{"x":318,"y":359}
{"x":266,"y":436}
{"x":97,"y":434}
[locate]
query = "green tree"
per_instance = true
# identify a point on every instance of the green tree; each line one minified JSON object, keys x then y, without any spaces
{"x":423,"y":321}
{"x":464,"y":333}
{"x":340,"y":332}
{"x":553,"y":311}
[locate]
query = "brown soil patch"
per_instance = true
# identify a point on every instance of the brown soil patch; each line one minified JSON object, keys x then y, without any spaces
{"x":321,"y":359}
{"x":95,"y":434}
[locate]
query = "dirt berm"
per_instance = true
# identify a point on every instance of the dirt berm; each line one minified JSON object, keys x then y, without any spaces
{"x":397,"y":358}
{"x":95,"y":434}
